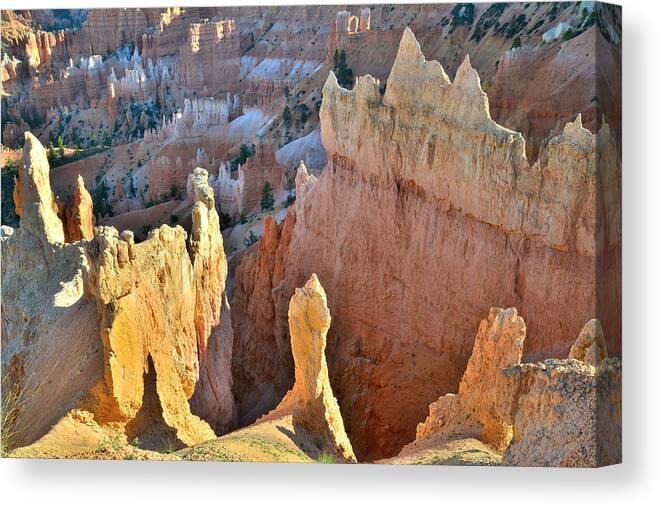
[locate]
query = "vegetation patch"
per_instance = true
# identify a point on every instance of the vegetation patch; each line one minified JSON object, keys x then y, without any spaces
{"x":462,"y":15}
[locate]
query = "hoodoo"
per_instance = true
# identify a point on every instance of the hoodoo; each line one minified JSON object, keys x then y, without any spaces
{"x":311,"y":399}
{"x":307,"y":424}
{"x":79,"y":215}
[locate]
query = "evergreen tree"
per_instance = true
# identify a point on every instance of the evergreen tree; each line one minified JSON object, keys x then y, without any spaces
{"x":342,"y":70}
{"x":100,"y":199}
{"x":245,"y":152}
{"x":267,"y":200}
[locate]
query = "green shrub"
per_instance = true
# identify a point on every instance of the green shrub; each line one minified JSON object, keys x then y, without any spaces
{"x":291,"y":198}
{"x":326,"y":459}
{"x":251,"y":239}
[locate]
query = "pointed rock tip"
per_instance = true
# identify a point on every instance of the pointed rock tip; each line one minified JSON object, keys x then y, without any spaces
{"x":578,"y":122}
{"x":590,"y":346}
{"x":30,"y":138}
{"x":575,"y":131}
{"x":32,"y":143}
{"x":467,"y":77}
{"x":467,"y":62}
{"x":409,"y":48}
{"x":313,"y":284}
{"x":408,"y":37}
{"x":331,"y":81}
{"x":593,"y":326}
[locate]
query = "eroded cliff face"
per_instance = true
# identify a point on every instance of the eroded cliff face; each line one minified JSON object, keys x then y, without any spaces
{"x":427,"y":214}
{"x":265,"y":370}
{"x":559,"y":412}
{"x":117,"y":328}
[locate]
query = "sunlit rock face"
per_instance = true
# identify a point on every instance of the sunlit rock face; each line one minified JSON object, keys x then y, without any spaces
{"x":311,"y":399}
{"x":559,"y":412}
{"x":119,"y":328}
{"x":427,"y":214}
{"x":80,"y":214}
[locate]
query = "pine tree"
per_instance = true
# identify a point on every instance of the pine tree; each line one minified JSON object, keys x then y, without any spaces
{"x":267,"y":200}
{"x":342,"y":70}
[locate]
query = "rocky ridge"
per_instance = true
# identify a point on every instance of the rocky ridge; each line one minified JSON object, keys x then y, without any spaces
{"x":135,"y":317}
{"x":424,"y":200}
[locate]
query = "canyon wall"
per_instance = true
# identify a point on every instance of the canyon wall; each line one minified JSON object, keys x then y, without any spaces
{"x":210,"y":45}
{"x":430,"y":205}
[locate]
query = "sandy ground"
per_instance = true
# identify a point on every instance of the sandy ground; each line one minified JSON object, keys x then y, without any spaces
{"x":233,"y":238}
{"x":77,"y":436}
{"x":441,"y":451}
{"x":272,"y":441}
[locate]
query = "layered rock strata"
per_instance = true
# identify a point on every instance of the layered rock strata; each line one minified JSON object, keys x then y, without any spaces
{"x":118,"y":328}
{"x":432,"y":206}
{"x":559,"y":412}
{"x":264,"y":374}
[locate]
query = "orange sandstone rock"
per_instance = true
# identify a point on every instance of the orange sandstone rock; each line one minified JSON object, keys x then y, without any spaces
{"x":80,"y":215}
{"x":553,"y":413}
{"x":311,"y":399}
{"x":117,"y":328}
{"x":36,"y":202}
{"x":590,"y":346}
